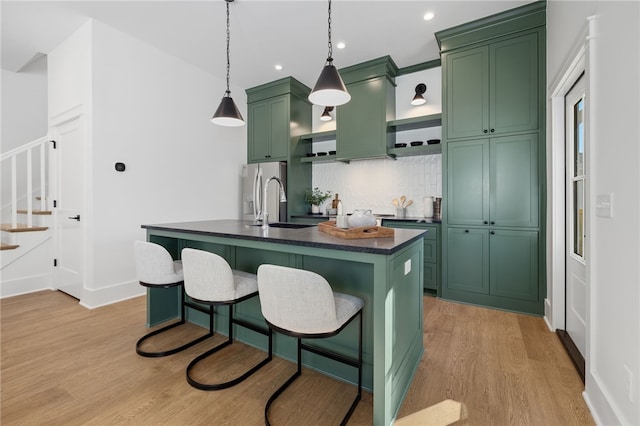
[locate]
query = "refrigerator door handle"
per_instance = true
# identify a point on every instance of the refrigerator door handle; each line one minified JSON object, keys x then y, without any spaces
{"x":257,"y":195}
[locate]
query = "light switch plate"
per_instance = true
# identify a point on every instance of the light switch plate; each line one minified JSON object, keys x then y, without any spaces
{"x":407,"y":267}
{"x":604,"y":205}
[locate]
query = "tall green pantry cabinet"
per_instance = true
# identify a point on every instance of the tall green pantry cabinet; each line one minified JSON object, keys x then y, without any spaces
{"x":278,"y":113}
{"x":493,"y":160}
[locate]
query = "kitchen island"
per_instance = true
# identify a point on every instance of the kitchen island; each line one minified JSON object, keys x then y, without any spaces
{"x":385,"y":272}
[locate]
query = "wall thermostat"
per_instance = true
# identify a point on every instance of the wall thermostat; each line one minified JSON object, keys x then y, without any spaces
{"x":120,"y":167}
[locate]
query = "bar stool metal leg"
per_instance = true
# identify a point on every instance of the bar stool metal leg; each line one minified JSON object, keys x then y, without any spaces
{"x":217,"y":386}
{"x":183,"y":305}
{"x":357,"y":363}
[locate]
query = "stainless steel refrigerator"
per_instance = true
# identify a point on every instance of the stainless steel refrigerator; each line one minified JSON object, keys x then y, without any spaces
{"x":254,"y":177}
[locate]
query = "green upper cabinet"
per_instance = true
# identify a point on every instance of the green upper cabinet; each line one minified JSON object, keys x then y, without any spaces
{"x":272,"y":108}
{"x":492,"y":89}
{"x":361,"y":123}
{"x":467,"y":90}
{"x":493,"y":181}
{"x":269,"y":130}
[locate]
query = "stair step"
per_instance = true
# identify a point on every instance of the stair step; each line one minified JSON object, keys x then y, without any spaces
{"x":36,"y":212}
{"x":4,"y":246}
{"x":21,"y":227}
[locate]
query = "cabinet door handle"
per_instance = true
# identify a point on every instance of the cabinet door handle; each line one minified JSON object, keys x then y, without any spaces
{"x":485,"y":131}
{"x":466,"y":231}
{"x":493,"y":232}
{"x":486,"y":222}
{"x":493,"y":130}
{"x":267,"y":156}
{"x":493,"y":222}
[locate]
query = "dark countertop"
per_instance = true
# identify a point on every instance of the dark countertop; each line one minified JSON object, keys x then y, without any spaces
{"x":382,"y":216}
{"x":308,"y":237}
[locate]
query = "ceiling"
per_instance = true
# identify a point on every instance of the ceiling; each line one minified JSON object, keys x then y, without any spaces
{"x":263,"y":32}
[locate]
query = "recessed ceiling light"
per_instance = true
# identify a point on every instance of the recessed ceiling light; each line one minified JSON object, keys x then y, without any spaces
{"x":428,"y":16}
{"x":278,"y":67}
{"x":341,"y":45}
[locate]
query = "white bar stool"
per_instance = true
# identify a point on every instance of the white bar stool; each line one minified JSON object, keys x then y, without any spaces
{"x":155,"y":268}
{"x":301,"y":304}
{"x":208,"y":279}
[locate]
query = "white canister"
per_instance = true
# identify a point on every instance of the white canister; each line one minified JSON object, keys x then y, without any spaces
{"x":428,"y":206}
{"x":342,"y":221}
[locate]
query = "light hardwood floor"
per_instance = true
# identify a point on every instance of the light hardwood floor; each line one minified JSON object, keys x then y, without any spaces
{"x":65,"y":365}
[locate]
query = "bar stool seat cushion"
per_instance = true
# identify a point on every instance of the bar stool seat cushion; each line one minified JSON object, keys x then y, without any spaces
{"x":155,"y":266}
{"x":302,"y":301}
{"x":210,"y":278}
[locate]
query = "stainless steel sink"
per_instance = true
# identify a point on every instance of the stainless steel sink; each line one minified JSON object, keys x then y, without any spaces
{"x":290,"y":225}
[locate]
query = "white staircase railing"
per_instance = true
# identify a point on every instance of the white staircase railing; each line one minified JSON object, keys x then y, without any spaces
{"x":11,"y":157}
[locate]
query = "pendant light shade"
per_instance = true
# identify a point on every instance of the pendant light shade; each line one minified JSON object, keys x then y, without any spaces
{"x":329,"y":89}
{"x":326,"y":114}
{"x":418,"y":99}
{"x":227,"y":113}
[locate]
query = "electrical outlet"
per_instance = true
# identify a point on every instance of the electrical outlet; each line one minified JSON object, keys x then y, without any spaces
{"x":629,"y":382}
{"x":407,"y":267}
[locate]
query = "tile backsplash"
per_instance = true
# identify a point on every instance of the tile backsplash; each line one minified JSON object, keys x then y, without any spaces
{"x":372,"y":184}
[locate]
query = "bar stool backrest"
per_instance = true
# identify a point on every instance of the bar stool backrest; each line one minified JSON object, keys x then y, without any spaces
{"x":296,"y":300}
{"x":154,"y":264}
{"x":207,"y":276}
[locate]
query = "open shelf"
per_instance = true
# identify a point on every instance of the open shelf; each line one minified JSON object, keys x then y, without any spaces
{"x":318,"y":159}
{"x":416,"y":150}
{"x":319,"y":136}
{"x":424,"y":121}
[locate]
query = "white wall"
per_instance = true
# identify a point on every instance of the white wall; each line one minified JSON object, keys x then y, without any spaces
{"x":24,"y":105}
{"x":372,"y":184}
{"x":614,"y":337}
{"x":23,"y":118}
{"x":152,"y":112}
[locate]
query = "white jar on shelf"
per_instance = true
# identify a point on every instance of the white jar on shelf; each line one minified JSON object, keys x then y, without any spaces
{"x":428,"y":207}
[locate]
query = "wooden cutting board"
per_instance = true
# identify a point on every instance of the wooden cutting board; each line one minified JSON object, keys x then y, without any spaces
{"x":352,"y":233}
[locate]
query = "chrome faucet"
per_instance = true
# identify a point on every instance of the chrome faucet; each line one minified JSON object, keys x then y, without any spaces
{"x":283,"y":198}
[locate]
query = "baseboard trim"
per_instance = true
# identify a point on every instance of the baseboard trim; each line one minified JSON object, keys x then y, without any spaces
{"x":95,"y":298}
{"x":25,"y":285}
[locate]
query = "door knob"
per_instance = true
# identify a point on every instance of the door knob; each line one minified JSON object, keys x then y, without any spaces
{"x":76,"y":217}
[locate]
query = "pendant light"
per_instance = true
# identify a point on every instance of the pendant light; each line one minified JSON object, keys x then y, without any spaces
{"x":418,"y":99}
{"x":329,"y":89}
{"x":326,"y":114}
{"x":227,"y":113}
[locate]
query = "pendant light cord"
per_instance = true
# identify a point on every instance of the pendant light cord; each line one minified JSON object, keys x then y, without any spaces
{"x":228,"y":92}
{"x":330,"y":56}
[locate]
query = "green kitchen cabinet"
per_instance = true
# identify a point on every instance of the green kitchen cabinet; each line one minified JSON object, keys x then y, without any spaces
{"x":432,"y":255}
{"x":493,"y":181}
{"x":468,"y":260}
{"x":268,"y":138}
{"x":493,"y":88}
{"x":493,"y":168}
{"x":513,"y":264}
{"x":271,"y":110}
{"x":493,"y":266}
{"x":361,"y":123}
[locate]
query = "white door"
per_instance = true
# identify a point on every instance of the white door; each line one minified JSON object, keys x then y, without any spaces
{"x":70,"y":203}
{"x":576,"y":214}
